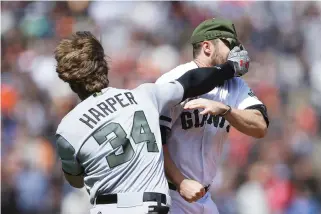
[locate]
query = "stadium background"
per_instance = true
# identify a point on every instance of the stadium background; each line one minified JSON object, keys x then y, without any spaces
{"x":280,"y":173}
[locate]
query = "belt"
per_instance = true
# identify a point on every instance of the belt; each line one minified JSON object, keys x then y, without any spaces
{"x":147,"y":196}
{"x":173,"y":187}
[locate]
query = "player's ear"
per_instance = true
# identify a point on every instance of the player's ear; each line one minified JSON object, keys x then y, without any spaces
{"x":207,"y":48}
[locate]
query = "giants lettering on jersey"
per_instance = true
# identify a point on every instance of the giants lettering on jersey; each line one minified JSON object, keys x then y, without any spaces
{"x":194,"y":119}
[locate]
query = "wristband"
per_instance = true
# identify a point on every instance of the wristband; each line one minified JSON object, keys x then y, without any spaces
{"x":227,"y":111}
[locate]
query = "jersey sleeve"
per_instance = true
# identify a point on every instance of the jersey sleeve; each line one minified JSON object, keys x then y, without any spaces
{"x":67,"y":155}
{"x":247,"y":100}
{"x":166,"y":118}
{"x":246,"y":97}
{"x":166,"y":95}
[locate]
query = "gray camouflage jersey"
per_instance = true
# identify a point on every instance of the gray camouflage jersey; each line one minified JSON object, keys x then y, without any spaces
{"x":113,"y":139}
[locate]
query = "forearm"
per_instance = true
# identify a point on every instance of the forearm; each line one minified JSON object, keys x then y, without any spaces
{"x":173,"y":174}
{"x":202,"y":80}
{"x":250,"y":122}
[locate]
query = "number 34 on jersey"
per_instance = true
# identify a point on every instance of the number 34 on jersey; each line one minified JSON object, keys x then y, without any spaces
{"x":140,"y":133}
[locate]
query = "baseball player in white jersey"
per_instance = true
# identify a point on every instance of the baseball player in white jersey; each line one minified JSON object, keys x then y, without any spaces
{"x":111,"y":142}
{"x":194,"y":137}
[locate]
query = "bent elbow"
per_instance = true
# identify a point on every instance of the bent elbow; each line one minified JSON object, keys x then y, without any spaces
{"x":261,"y":132}
{"x":260,"y":135}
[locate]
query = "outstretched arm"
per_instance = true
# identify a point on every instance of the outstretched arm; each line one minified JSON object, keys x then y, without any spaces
{"x":200,"y":80}
{"x":204,"y":80}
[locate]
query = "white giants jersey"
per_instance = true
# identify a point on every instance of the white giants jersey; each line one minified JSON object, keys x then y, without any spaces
{"x":195,"y":143}
{"x":113,"y":139}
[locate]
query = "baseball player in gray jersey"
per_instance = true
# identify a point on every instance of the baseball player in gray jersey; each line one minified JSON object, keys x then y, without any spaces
{"x":195,"y":131}
{"x":111,"y":142}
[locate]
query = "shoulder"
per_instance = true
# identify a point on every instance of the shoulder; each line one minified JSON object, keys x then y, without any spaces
{"x":65,"y":121}
{"x":63,"y":144}
{"x":176,"y":72}
{"x":145,"y":88}
{"x":237,"y":81}
{"x":229,"y":90}
{"x":235,"y":84}
{"x":67,"y":126}
{"x":151,"y":88}
{"x":145,"y":91}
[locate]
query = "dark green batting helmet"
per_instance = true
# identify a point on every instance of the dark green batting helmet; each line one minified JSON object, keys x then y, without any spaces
{"x":216,"y":29}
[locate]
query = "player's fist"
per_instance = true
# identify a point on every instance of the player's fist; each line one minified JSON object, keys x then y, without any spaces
{"x":240,"y":60}
{"x":208,"y":106}
{"x":191,"y":190}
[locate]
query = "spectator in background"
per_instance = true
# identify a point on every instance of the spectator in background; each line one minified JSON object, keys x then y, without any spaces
{"x":251,"y":197}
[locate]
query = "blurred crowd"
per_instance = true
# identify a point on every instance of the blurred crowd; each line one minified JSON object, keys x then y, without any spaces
{"x":279,"y":174}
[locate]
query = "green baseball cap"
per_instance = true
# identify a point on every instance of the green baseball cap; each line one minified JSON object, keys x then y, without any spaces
{"x":215,"y":29}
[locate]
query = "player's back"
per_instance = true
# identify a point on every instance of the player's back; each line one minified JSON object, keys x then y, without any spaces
{"x":114,"y":136}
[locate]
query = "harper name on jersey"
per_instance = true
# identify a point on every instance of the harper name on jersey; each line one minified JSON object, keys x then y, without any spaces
{"x":108,"y":106}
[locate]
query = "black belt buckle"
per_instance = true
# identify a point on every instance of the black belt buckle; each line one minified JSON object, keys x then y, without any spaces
{"x":158,"y":209}
{"x":154,"y":196}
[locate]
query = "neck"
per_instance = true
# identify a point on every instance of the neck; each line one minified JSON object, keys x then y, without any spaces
{"x":202,"y":63}
{"x":83,"y":97}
